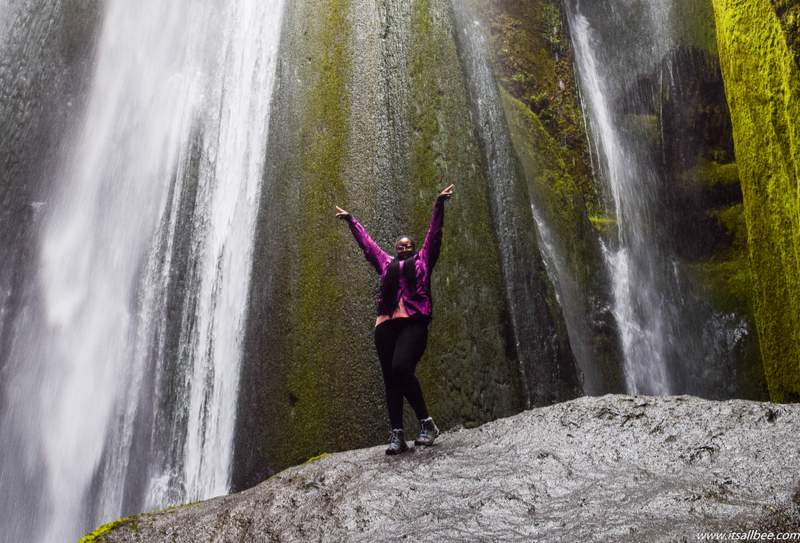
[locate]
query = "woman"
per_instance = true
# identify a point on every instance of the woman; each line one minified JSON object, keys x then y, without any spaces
{"x":404,"y":312}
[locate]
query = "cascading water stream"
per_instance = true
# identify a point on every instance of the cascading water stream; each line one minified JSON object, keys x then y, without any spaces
{"x":619,"y":45}
{"x":124,"y":366}
{"x":635,"y":263}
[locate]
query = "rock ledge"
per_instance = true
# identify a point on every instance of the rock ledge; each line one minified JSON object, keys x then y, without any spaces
{"x":611,"y":468}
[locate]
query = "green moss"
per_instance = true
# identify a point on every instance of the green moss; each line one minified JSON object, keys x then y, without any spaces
{"x":552,"y":19}
{"x":311,"y":377}
{"x":789,"y":14}
{"x":317,"y":457}
{"x":601,"y":220}
{"x":733,"y":221}
{"x":605,"y":226}
{"x":551,"y":181}
{"x":533,"y":63}
{"x":710,"y":174}
{"x":694,"y":21}
{"x":98,"y":535}
{"x":553,"y":185}
{"x":727,"y":283}
{"x":762,"y":85}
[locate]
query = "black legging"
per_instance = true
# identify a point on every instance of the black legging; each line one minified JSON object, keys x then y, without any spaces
{"x":400,"y":344}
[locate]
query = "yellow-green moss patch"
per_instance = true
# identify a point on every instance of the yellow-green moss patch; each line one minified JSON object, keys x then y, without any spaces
{"x":323,"y":136}
{"x":317,"y":457}
{"x":98,"y":535}
{"x":762,"y":85}
{"x":708,"y":173}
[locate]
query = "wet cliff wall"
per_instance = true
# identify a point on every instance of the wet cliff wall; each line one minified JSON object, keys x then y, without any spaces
{"x":703,"y":202}
{"x":707,"y":224}
{"x":373,"y":114}
{"x":532,"y":61}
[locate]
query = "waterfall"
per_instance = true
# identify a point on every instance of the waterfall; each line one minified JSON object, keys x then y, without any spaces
{"x":639,"y":285}
{"x":618,"y":45}
{"x":124,"y":366}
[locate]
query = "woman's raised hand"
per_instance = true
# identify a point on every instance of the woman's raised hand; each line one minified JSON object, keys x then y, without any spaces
{"x":447,"y":192}
{"x":341,"y":213}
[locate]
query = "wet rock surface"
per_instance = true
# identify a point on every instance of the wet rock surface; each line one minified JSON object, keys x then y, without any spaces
{"x":611,"y":468}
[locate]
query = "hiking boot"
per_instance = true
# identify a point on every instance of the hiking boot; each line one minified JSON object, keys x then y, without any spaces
{"x":428,"y":431}
{"x":397,"y":442}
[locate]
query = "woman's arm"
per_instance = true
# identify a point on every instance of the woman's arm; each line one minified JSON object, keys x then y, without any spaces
{"x":374,"y":254}
{"x":429,"y":253}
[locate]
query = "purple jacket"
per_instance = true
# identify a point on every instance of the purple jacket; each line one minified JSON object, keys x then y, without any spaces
{"x":420,"y":300}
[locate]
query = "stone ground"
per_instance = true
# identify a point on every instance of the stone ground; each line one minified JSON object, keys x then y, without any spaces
{"x":610,"y":468}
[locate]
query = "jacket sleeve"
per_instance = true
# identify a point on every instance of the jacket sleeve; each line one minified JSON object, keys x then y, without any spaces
{"x":374,"y":254}
{"x":433,"y":238}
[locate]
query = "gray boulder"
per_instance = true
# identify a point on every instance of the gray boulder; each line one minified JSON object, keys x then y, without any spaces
{"x":611,"y":468}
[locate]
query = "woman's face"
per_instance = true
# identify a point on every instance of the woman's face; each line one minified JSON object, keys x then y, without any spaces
{"x":404,"y":248}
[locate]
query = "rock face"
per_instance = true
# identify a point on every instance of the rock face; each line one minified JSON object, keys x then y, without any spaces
{"x":758,"y":52}
{"x":611,"y":468}
{"x":532,"y":60}
{"x":372,"y":113}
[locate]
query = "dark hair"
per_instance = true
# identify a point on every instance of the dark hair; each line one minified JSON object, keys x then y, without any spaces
{"x":387,"y":295}
{"x":405,"y":237}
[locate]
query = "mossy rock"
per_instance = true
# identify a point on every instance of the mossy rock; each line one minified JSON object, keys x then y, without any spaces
{"x":733,"y":221}
{"x":558,"y":198}
{"x":762,"y":83}
{"x":320,"y":456}
{"x":788,"y":12}
{"x":98,"y":535}
{"x":694,"y":24}
{"x":710,"y":174}
{"x":311,"y":373}
{"x":529,"y":44}
{"x":726,"y":282}
{"x":604,"y":225}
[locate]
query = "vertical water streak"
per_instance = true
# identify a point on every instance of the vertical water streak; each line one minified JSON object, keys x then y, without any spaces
{"x":128,"y":363}
{"x":639,"y":299}
{"x":567,"y":291}
{"x":547,"y":360}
